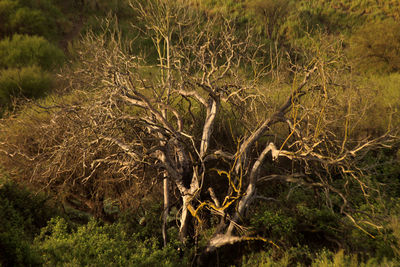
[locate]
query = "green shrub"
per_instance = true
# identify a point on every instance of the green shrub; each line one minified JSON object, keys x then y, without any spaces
{"x":331,"y":259}
{"x":15,"y":249}
{"x":7,"y":9}
{"x":265,"y":259}
{"x":23,"y":50}
{"x":324,"y":258}
{"x":293,"y":256}
{"x":376,"y":47}
{"x":28,"y":81}
{"x":21,"y":216}
{"x":100,"y":245}
{"x":30,"y":17}
{"x":49,"y":7}
{"x":379,"y":103}
{"x":274,"y":225}
{"x":32,"y":209}
{"x":29,"y":21}
{"x":142,"y":224}
{"x":269,"y":14}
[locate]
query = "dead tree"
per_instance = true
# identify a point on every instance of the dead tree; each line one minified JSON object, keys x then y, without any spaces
{"x":133,"y":121}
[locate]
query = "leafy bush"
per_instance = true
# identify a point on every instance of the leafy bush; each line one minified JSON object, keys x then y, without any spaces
{"x":270,"y":14}
{"x":265,"y":259}
{"x":29,"y":21}
{"x":32,"y":209}
{"x":274,"y":225}
{"x":324,"y":258}
{"x":100,"y":245}
{"x":30,"y":17}
{"x":29,"y":82}
{"x":292,"y":256}
{"x":49,"y":7}
{"x":15,"y":249}
{"x":23,"y":50}
{"x":21,"y":216}
{"x":376,"y":47}
{"x":317,"y":220}
{"x":330,"y":259}
{"x":7,"y":9}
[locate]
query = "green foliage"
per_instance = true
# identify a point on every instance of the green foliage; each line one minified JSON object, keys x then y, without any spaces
{"x":386,"y":171}
{"x":100,"y":245}
{"x":7,"y":9}
{"x":306,"y":20}
{"x":28,"y":82}
{"x":294,"y":226}
{"x":323,"y":258}
{"x":28,"y":21}
{"x":380,"y":244}
{"x":294,"y":19}
{"x":58,"y":243}
{"x":23,"y":50}
{"x":269,"y":15}
{"x":15,"y":250}
{"x":388,"y":86}
{"x":292,"y":256}
{"x":21,"y":216}
{"x":14,"y":246}
{"x":50,"y":7}
{"x":30,"y":17}
{"x":316,"y":220}
{"x":265,"y":259}
{"x":228,"y":7}
{"x":383,"y":94}
{"x":376,"y":47}
{"x":329,"y":259}
{"x":274,"y":225}
{"x":300,"y":219}
{"x":32,"y":209}
{"x":144,"y":224}
{"x":292,"y":222}
{"x":25,"y":60}
{"x":104,"y":7}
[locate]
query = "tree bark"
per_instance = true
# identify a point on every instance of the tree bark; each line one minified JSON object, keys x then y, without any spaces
{"x":166,"y":210}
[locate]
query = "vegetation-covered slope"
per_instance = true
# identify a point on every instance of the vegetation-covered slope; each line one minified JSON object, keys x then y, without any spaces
{"x":248,"y":133}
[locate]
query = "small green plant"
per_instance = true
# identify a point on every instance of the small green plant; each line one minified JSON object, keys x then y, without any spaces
{"x":29,"y":21}
{"x":376,"y":47}
{"x":265,"y":259}
{"x":15,"y":249}
{"x":23,"y":50}
{"x":29,"y":82}
{"x":30,"y":17}
{"x":21,"y":216}
{"x":96,"y":244}
{"x":274,"y":225}
{"x":7,"y":9}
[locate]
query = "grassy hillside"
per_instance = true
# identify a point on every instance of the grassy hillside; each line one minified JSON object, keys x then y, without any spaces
{"x":83,"y":85}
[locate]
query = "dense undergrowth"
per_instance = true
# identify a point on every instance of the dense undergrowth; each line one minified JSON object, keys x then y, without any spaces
{"x":34,"y":232}
{"x":103,"y":224}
